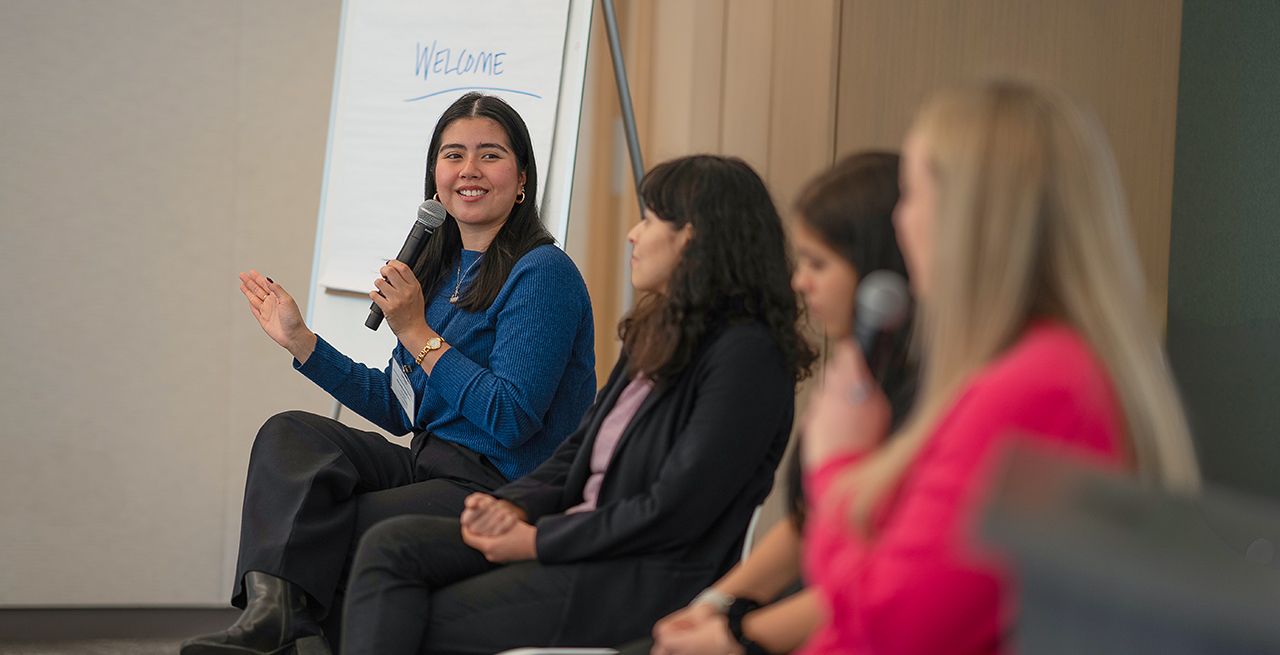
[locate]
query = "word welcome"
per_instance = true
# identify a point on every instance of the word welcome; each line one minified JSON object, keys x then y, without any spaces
{"x":446,"y":62}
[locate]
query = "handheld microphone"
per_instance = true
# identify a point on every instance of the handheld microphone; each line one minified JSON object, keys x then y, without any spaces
{"x":882,"y":307}
{"x":430,"y":216}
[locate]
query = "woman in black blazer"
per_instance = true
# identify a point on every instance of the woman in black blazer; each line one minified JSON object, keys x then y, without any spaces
{"x":647,"y":502}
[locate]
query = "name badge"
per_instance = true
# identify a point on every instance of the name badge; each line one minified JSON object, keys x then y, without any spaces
{"x":404,"y":391}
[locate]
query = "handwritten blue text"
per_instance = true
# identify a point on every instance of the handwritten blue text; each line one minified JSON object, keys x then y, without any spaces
{"x":446,"y":62}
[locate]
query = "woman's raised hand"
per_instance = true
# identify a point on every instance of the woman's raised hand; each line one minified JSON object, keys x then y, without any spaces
{"x":278,"y":314}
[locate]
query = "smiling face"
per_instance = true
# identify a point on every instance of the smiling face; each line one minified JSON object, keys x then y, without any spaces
{"x":477,"y":175}
{"x":656,"y":249}
{"x":826,"y":281}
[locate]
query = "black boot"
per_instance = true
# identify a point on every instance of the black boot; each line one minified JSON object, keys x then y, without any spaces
{"x":275,"y":621}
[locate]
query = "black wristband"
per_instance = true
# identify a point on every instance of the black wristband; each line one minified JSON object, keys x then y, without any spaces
{"x":737,"y":612}
{"x":740,"y":608}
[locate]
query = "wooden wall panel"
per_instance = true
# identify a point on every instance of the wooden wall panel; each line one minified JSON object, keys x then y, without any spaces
{"x":1119,"y":58}
{"x":749,"y":78}
{"x":745,"y":106}
{"x":606,"y":184}
{"x":802,"y":129}
{"x":688,"y":65}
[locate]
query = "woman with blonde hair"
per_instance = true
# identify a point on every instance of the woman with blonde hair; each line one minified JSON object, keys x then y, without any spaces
{"x":1032,"y":324}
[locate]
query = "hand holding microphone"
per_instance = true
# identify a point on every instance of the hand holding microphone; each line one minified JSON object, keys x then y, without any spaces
{"x":850,"y":412}
{"x":431,"y":215}
{"x":882,"y":309}
{"x":398,"y":297}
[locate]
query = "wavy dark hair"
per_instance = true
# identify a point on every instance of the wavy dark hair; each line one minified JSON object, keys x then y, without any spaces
{"x":523,"y":230}
{"x":850,"y":207}
{"x":734,"y":268}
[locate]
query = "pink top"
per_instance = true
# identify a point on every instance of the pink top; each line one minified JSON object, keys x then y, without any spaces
{"x":607,"y":439}
{"x":915,"y":587}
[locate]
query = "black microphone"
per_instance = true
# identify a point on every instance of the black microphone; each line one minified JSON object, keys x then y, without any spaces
{"x":430,"y":216}
{"x":882,"y":308}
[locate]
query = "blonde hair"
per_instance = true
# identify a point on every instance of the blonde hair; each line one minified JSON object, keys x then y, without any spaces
{"x":1031,"y":222}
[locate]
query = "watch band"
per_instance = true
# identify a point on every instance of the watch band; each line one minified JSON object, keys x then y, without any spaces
{"x":736,"y":614}
{"x":718,"y":600}
{"x":432,"y":344}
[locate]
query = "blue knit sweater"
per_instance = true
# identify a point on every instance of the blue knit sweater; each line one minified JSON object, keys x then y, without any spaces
{"x":514,"y":383}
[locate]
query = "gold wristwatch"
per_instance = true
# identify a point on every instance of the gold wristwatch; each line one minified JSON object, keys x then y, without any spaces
{"x":433,"y":344}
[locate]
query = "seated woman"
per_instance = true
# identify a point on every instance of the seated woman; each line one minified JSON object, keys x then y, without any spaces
{"x":1034,"y":327}
{"x":484,"y":401}
{"x":648,"y":501}
{"x":843,"y":231}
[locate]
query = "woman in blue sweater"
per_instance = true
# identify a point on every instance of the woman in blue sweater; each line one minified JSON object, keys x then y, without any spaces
{"x":492,"y":370}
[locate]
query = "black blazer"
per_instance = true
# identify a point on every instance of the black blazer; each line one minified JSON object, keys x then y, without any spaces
{"x":688,"y":471}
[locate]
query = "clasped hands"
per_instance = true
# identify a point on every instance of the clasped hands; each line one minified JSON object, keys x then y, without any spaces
{"x":498,"y":529}
{"x":694,"y":630}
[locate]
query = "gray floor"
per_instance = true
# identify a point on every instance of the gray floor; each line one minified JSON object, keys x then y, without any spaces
{"x":95,"y":647}
{"x":114,"y":631}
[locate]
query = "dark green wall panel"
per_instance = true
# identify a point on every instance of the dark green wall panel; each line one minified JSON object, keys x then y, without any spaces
{"x":1224,"y":267}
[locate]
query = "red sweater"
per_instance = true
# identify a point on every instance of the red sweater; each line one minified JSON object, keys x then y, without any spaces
{"x":915,"y":587}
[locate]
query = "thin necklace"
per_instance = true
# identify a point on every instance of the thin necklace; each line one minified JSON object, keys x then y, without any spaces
{"x":457,"y":286}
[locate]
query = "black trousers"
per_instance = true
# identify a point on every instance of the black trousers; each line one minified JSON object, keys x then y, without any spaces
{"x":415,"y":587}
{"x":315,"y":485}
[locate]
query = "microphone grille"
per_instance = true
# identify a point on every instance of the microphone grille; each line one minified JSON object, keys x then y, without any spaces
{"x":883,"y":301}
{"x":431,"y":213}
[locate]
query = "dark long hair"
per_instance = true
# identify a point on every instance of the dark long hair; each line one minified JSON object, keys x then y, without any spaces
{"x":734,"y":268}
{"x":850,"y":207}
{"x":523,"y":230}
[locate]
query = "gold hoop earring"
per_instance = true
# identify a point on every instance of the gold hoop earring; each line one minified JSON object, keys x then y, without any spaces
{"x":520,"y":196}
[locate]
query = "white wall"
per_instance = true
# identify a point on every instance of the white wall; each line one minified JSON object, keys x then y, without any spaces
{"x":152,"y":149}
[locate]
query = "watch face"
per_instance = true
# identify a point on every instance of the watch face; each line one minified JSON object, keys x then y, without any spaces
{"x":434,"y":343}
